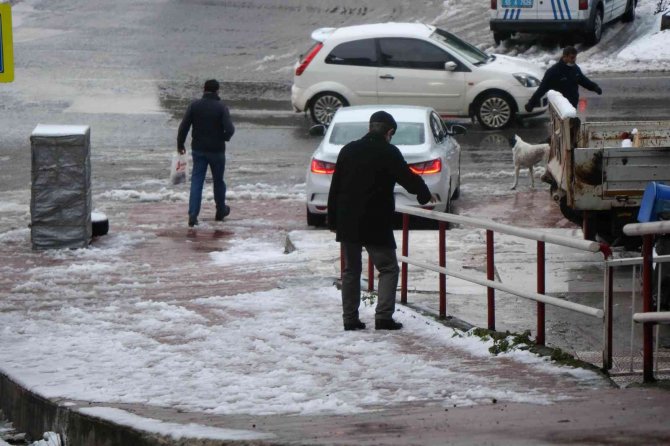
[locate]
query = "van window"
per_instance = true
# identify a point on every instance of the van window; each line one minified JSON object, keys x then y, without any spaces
{"x":412,"y":53}
{"x":461,"y":48}
{"x":359,"y":52}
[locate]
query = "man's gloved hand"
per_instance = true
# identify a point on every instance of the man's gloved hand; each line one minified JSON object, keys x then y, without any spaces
{"x":528,"y":107}
{"x":181,"y":150}
{"x":599,"y":90}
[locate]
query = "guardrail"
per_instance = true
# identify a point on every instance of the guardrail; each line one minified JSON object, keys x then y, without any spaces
{"x":491,"y":285}
{"x":649,"y":317}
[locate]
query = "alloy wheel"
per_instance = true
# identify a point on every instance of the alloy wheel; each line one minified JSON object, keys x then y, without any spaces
{"x":495,"y":112}
{"x":324,"y":108}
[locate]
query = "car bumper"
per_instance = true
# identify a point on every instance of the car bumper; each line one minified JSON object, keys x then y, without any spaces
{"x":538,"y":26}
{"x":297,"y":99}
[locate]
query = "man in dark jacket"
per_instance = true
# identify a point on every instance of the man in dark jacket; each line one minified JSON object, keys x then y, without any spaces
{"x":360,"y":210}
{"x":564,"y":76}
{"x":212,"y":127}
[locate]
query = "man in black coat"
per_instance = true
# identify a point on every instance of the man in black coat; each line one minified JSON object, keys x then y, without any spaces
{"x":360,"y":210}
{"x":564,"y":76}
{"x":212,"y":128}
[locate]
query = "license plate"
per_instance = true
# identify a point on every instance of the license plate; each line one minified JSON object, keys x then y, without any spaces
{"x":517,"y":3}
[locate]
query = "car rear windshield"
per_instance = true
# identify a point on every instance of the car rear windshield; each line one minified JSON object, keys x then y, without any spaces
{"x":408,"y":133}
{"x":469,"y":52}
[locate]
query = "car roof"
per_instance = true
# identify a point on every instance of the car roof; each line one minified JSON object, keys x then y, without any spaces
{"x":389,"y":29}
{"x":401,"y":113}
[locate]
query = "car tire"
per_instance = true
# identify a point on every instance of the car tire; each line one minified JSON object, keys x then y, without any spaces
{"x":324,"y":105}
{"x":316,"y":220}
{"x":595,"y":32}
{"x":629,"y":15}
{"x":494,"y":111}
{"x":499,"y":37}
{"x":457,"y":191}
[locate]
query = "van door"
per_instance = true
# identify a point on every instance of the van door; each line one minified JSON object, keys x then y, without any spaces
{"x":412,"y":72}
{"x":519,"y":9}
{"x":558,"y":9}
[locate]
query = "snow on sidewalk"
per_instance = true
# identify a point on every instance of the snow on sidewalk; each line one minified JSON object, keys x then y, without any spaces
{"x":221,"y":321}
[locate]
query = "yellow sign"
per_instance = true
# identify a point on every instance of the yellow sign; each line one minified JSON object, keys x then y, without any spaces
{"x":6,"y":51}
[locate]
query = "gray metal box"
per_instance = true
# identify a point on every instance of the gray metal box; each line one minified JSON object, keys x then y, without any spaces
{"x":60,"y":202}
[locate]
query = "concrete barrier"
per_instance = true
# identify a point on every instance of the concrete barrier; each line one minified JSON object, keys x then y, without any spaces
{"x":34,"y":415}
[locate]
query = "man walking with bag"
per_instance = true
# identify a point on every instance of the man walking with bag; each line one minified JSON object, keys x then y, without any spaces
{"x":360,"y":210}
{"x":211,"y":129}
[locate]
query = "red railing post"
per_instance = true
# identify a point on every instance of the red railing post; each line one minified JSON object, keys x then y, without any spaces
{"x":539,"y":340}
{"x":647,"y":327}
{"x":405,"y":253}
{"x":443,"y":263}
{"x":490,"y":275}
{"x":371,"y":274}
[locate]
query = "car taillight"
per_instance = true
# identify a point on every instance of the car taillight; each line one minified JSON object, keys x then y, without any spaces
{"x":583,"y":5}
{"x":427,"y":168}
{"x":494,"y":4}
{"x":319,"y":166}
{"x":303,"y":65}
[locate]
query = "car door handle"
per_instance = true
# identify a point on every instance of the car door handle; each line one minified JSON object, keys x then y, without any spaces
{"x":386,"y":76}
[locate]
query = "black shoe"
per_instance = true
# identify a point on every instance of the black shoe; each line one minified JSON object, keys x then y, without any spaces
{"x":220,"y":215}
{"x":192,"y":221}
{"x":387,"y":324}
{"x":350,"y":326}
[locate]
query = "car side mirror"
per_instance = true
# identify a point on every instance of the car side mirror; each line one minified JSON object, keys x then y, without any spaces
{"x":450,"y":66}
{"x":317,"y":130}
{"x":457,"y":130}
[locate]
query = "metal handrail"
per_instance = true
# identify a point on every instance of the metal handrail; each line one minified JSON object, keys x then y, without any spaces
{"x":654,"y":317}
{"x":583,"y":245}
{"x":633,"y":261}
{"x":579,"y":308}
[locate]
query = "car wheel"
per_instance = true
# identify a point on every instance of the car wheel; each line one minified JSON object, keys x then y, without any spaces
{"x":324,"y":106}
{"x":499,"y":38}
{"x":629,"y":15}
{"x":596,"y":31}
{"x":494,"y":111}
{"x":315,"y":219}
{"x":457,"y":191}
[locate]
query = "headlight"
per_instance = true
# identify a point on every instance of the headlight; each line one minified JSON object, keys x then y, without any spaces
{"x":527,"y":80}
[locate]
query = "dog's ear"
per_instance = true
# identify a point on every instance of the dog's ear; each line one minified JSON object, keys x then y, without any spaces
{"x":512,"y":141}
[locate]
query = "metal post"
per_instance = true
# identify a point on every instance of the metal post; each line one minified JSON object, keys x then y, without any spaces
{"x":490,"y":275}
{"x":647,"y":327}
{"x":405,"y":253}
{"x":443,"y":263}
{"x":608,"y":305}
{"x":539,"y":340}
{"x":371,"y":274}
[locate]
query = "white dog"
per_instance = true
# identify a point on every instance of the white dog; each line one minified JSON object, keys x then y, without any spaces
{"x":527,"y":156}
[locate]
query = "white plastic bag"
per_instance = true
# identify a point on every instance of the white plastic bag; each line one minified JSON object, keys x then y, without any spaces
{"x":178,"y":168}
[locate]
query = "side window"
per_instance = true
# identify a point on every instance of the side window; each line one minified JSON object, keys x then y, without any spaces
{"x":437,"y":127}
{"x":359,"y":52}
{"x":412,"y":53}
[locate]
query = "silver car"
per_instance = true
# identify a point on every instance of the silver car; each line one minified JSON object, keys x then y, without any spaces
{"x":425,"y":141}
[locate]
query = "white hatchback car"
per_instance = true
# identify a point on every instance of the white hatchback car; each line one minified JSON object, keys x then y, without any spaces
{"x":424,"y":140}
{"x":411,"y":64}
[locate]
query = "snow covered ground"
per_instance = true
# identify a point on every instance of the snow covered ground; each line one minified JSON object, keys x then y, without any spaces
{"x":106,"y":325}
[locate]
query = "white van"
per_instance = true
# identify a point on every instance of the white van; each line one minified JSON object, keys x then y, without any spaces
{"x":585,"y":17}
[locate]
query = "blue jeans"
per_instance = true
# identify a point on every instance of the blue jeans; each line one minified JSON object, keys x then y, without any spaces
{"x":217,"y":164}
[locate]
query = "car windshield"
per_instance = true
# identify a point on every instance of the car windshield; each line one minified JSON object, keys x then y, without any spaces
{"x":461,"y":48}
{"x":407,"y":134}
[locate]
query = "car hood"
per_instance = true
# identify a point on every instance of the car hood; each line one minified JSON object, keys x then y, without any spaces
{"x":511,"y":65}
